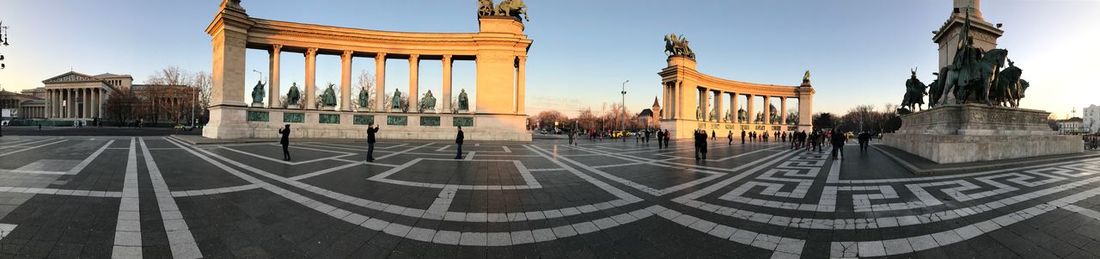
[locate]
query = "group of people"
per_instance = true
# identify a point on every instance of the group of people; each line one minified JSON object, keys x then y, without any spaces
{"x":372,"y":130}
{"x":1092,"y":142}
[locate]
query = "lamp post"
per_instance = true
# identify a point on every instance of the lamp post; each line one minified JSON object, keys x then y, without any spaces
{"x":623,"y":125}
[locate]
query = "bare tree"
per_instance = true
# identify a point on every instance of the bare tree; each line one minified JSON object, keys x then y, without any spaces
{"x":203,"y":82}
{"x":366,"y":83}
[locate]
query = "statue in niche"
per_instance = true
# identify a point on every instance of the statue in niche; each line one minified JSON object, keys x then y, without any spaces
{"x":427,"y":103}
{"x":364,"y":97}
{"x":775,"y":116}
{"x":729,"y":116}
{"x":293,"y":96}
{"x":742,"y":115}
{"x":699,"y":113}
{"x":258,"y":94}
{"x":328,"y":99}
{"x":396,"y":103}
{"x":463,"y":101}
{"x":713,"y":114}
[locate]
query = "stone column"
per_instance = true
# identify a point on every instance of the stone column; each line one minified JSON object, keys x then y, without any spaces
{"x":380,"y":81}
{"x":750,"y":109}
{"x":345,"y":80}
{"x":679,"y":86}
{"x":521,"y":91}
{"x":49,"y":102}
{"x":273,"y":76}
{"x":447,"y":63}
{"x":414,"y":83}
{"x":767,"y":110}
{"x":783,"y":110}
{"x":311,"y":79}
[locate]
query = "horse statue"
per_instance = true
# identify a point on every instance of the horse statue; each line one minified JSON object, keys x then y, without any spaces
{"x":678,"y":45}
{"x":914,"y":92}
{"x":935,"y":91}
{"x":1007,"y":90}
{"x":513,"y":8}
{"x":971,"y":81}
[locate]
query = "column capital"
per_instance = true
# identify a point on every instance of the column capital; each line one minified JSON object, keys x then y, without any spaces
{"x":413,"y":57}
{"x":276,"y":47}
{"x":347,"y":53}
{"x":311,"y":52}
{"x":379,"y":55}
{"x":522,"y":58}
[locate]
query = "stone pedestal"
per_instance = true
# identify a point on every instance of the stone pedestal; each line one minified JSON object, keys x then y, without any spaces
{"x":970,"y":133}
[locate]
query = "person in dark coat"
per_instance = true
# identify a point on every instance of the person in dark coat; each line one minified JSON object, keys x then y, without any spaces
{"x":712,"y":135}
{"x":864,"y":139}
{"x":667,"y":136}
{"x":700,"y":138}
{"x":730,"y":136}
{"x":646,"y":139}
{"x":742,"y":137}
{"x":458,"y":141}
{"x":660,"y":139}
{"x":838,"y":140}
{"x":285,"y":131}
{"x":371,"y":130}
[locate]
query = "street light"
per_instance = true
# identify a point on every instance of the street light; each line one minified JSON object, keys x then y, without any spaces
{"x":623,"y":125}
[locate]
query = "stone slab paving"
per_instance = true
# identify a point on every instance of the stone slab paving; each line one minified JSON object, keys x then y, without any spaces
{"x":160,"y":197}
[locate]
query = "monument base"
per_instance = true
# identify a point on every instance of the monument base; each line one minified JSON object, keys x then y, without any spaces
{"x":682,"y":129}
{"x":971,"y":133}
{"x":229,"y":122}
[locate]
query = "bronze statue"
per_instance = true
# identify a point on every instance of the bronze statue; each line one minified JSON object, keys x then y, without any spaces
{"x":463,"y":101}
{"x":713,"y":114}
{"x":677,"y":46}
{"x":293,"y":96}
{"x":775,"y":116}
{"x":428,"y":102}
{"x":1008,"y":90}
{"x":935,"y":91}
{"x":328,"y":99}
{"x":806,"y":77}
{"x":512,"y":8}
{"x":258,"y":92}
{"x":364,"y":97}
{"x":396,"y":103}
{"x":972,"y":72}
{"x":742,"y":116}
{"x":914,"y":92}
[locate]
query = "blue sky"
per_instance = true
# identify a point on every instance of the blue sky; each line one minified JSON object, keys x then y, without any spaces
{"x":859,"y":51}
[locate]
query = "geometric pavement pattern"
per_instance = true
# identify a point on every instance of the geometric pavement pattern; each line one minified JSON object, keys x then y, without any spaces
{"x":161,"y":197}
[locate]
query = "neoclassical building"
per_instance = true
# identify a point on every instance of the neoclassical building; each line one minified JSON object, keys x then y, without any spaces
{"x":80,"y":97}
{"x":499,"y":50}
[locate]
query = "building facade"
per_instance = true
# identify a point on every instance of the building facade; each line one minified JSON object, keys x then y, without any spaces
{"x":1071,"y":126}
{"x":79,"y":97}
{"x":1091,"y":118}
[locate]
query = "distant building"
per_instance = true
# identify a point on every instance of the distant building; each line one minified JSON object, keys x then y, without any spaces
{"x":80,"y":97}
{"x":1071,"y":126}
{"x":20,"y":106}
{"x":1091,"y":118}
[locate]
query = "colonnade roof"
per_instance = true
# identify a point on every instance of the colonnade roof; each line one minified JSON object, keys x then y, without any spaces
{"x":333,"y":40}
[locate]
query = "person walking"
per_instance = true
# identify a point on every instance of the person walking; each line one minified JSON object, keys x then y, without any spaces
{"x":660,"y":139}
{"x":285,"y":141}
{"x":458,"y":141}
{"x":371,"y":130}
{"x":742,"y":137}
{"x":838,"y":140}
{"x":712,"y":135}
{"x":765,"y":135}
{"x":667,"y":136}
{"x":571,"y":136}
{"x":730,"y":136}
{"x":864,"y":138}
{"x":700,"y":144}
{"x":646,"y":135}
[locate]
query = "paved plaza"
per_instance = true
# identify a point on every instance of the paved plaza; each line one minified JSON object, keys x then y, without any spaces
{"x":160,"y":197}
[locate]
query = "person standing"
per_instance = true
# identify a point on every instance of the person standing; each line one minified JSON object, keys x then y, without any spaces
{"x":864,"y":138}
{"x":838,"y":140}
{"x":742,"y":137}
{"x":700,"y":144}
{"x":660,"y":139}
{"x":371,"y":130}
{"x":458,"y":141}
{"x":730,"y":136}
{"x":571,"y":132}
{"x":285,"y":131}
{"x":765,"y":136}
{"x":712,"y":135}
{"x":646,"y":135}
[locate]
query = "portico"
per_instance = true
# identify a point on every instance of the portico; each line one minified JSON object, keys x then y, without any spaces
{"x":694,"y":100}
{"x":499,"y":49}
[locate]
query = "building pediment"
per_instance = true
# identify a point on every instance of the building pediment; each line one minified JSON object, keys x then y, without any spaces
{"x":71,"y":77}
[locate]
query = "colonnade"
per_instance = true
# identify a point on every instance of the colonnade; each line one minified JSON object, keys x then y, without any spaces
{"x":75,"y":103}
{"x":671,"y":95}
